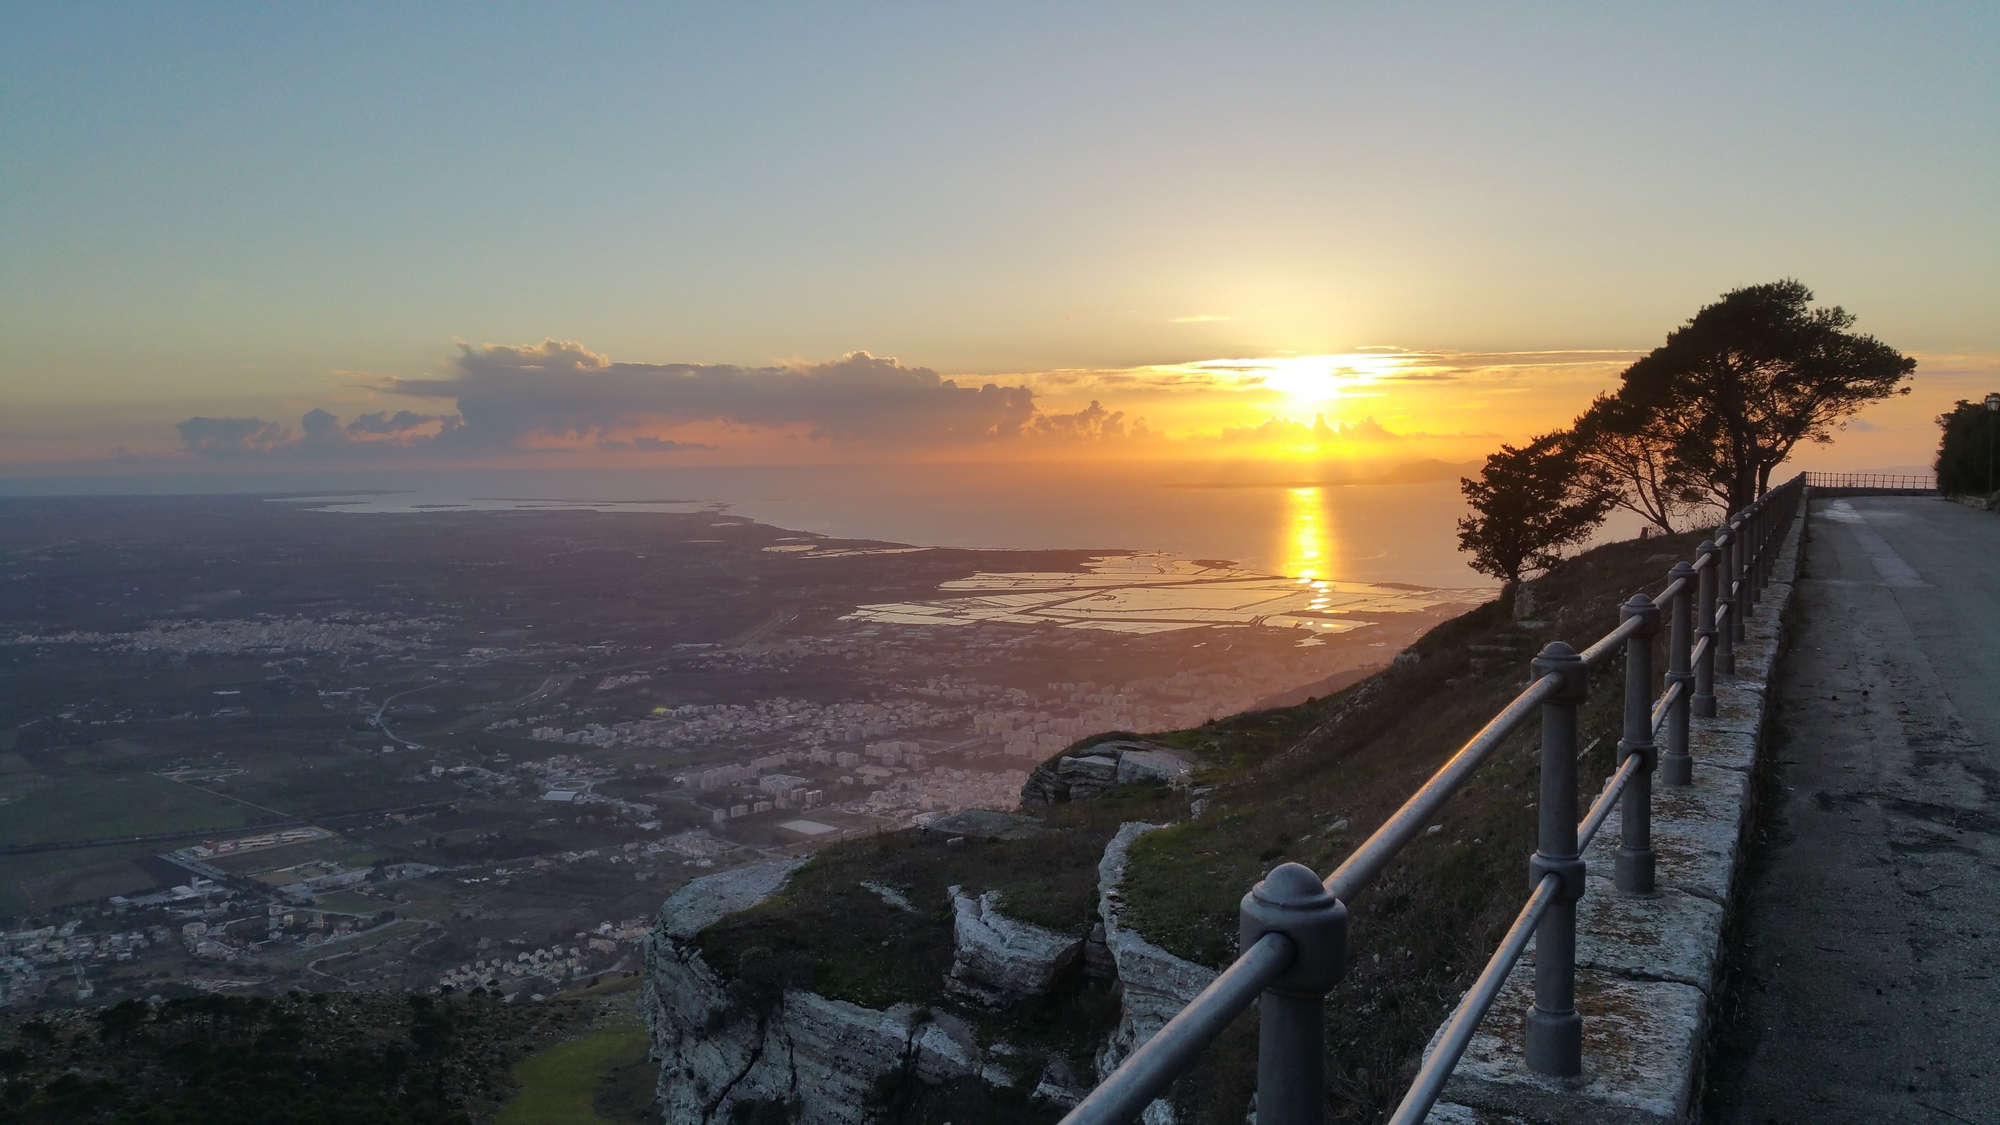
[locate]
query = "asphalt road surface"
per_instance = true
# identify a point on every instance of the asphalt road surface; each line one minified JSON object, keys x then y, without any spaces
{"x":1866,"y":959}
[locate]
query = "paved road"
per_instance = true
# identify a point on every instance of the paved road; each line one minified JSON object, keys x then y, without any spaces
{"x":1866,"y":962}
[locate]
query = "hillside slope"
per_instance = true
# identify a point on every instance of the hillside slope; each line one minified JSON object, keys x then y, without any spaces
{"x":864,"y":939}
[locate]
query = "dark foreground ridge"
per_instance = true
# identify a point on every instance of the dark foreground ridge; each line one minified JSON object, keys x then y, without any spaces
{"x":318,"y":1059}
{"x":1864,"y":980}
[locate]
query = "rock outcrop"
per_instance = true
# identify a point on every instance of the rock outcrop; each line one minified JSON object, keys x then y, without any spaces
{"x":722,"y":1047}
{"x":1155,"y":984}
{"x":997,"y":959}
{"x":1085,"y":774}
{"x":822,"y":1055}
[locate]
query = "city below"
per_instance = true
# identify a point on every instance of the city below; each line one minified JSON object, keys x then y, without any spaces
{"x":252,"y":746}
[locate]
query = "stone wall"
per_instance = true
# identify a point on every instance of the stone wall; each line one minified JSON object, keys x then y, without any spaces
{"x":1647,"y":965}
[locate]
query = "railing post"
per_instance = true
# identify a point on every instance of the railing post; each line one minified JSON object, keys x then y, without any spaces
{"x":1676,"y":766}
{"x":1729,"y":568}
{"x":1753,"y":551}
{"x":1704,"y":626}
{"x":1738,"y":559}
{"x":1765,"y":523}
{"x":1291,"y":1033}
{"x":1634,"y":870}
{"x":1555,"y":1030}
{"x":1753,"y":578}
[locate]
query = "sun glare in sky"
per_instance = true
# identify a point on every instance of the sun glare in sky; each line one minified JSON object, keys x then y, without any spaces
{"x":234,"y":242}
{"x":1308,"y":382}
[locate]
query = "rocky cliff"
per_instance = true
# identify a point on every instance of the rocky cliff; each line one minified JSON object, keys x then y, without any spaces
{"x":756,"y":1034}
{"x":996,"y":958}
{"x":721,"y":1045}
{"x":1093,"y":767}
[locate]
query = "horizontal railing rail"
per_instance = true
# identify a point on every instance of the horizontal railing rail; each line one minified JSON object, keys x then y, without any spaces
{"x":1294,"y":925}
{"x":1908,"y":483}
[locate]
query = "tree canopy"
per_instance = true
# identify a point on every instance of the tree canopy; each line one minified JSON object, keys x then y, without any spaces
{"x":1966,"y":461}
{"x":1633,"y":458}
{"x":1530,"y":503}
{"x":1734,"y":390}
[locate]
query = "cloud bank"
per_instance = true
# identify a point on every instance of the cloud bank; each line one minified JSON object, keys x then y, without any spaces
{"x":561,"y":395}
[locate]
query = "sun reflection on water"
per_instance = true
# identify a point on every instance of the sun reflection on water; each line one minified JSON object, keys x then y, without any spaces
{"x":1308,"y":545}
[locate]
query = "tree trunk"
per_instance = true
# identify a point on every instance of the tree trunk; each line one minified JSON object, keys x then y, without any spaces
{"x":1745,"y":488}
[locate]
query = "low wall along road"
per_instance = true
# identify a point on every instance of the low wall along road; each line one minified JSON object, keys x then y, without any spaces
{"x":1647,"y":965}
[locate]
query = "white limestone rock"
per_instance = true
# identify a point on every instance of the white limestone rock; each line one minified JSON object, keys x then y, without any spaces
{"x":1087,"y":775}
{"x":1059,"y":1085}
{"x":821,"y":1053}
{"x":996,"y":959}
{"x":1154,"y":764}
{"x":944,"y":1048}
{"x":707,"y":900}
{"x":1155,"y":984}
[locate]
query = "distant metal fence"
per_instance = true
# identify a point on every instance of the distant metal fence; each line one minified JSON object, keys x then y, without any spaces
{"x":1871,"y":484}
{"x":1294,"y":924}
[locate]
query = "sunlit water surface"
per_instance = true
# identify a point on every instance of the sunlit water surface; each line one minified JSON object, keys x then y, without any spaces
{"x":1402,"y":533}
{"x":1364,"y":533}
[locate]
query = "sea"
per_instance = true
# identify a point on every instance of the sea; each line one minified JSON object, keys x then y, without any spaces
{"x":1278,"y":521}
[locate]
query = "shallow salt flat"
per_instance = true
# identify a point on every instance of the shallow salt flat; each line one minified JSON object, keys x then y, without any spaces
{"x":1168,"y":594}
{"x":1149,"y":599}
{"x":1143,"y":568}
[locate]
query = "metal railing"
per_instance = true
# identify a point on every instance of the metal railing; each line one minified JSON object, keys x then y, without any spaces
{"x":1294,"y":924}
{"x":1878,"y":484}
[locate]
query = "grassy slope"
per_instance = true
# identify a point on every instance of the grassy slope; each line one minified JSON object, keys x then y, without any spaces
{"x":559,"y":1086}
{"x":1420,"y":935}
{"x":1283,"y":779}
{"x":827,"y":932}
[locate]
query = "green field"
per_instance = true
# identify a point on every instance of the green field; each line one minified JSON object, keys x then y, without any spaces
{"x":559,"y":1086}
{"x":39,"y":880}
{"x":95,"y":808}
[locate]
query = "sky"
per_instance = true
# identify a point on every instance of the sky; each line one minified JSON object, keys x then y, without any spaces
{"x":588,"y":234}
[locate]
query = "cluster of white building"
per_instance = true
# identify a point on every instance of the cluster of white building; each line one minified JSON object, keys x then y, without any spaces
{"x":918,"y":797}
{"x":609,"y":682}
{"x":786,"y":792}
{"x":555,"y":964}
{"x":811,"y":724}
{"x":211,"y":848}
{"x":26,"y":954}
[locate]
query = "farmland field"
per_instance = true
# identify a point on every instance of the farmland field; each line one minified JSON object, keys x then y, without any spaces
{"x":135,"y":804}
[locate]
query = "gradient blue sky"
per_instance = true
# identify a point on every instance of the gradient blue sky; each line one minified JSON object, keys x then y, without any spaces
{"x":248,"y":210}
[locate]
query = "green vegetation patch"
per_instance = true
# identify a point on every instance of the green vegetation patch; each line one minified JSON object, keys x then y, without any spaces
{"x":308,"y":1060}
{"x":36,"y":881}
{"x":559,"y":1086}
{"x":98,"y":807}
{"x":828,"y":932}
